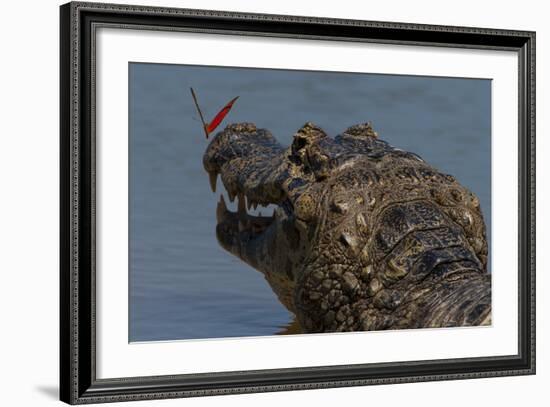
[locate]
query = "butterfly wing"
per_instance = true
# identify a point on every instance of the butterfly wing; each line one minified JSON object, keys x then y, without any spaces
{"x":210,"y":127}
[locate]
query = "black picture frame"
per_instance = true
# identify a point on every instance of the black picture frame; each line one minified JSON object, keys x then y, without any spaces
{"x":78,"y":382}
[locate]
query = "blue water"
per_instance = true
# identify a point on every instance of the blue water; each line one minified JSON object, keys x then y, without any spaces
{"x":182,"y":284}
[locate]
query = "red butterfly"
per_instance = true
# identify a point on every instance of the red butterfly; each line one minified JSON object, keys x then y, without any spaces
{"x":210,"y":127}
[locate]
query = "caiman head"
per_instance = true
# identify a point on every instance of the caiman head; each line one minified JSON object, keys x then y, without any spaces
{"x":347,"y":209}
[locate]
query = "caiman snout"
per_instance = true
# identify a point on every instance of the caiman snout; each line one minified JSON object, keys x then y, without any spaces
{"x":248,"y":160}
{"x":253,"y":168}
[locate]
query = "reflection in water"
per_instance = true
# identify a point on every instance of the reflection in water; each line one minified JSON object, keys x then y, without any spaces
{"x":182,"y":284}
{"x":291,"y":328}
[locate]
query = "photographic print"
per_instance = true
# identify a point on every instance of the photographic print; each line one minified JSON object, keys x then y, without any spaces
{"x":272,"y":202}
{"x":257,"y":202}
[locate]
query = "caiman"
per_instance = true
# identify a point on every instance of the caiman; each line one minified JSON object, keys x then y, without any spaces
{"x":364,"y":236}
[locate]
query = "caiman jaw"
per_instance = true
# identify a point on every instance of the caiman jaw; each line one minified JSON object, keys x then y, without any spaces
{"x":235,"y":156}
{"x":246,"y":236}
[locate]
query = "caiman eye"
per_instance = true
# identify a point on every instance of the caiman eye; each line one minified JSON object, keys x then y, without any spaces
{"x":307,"y":151}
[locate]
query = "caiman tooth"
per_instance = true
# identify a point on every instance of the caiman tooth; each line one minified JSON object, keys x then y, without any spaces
{"x":221,"y":209}
{"x":241,"y":203}
{"x":248,"y":203}
{"x":213,"y":178}
{"x":231,"y":194}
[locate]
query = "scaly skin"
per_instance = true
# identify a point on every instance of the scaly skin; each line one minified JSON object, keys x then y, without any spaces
{"x":365,"y":236}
